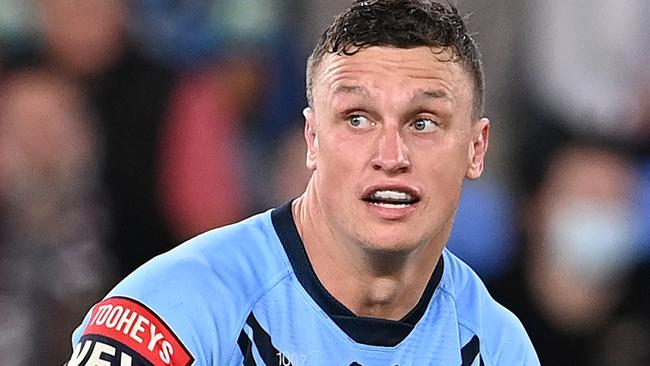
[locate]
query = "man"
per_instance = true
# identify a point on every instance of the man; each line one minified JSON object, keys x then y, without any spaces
{"x":354,"y":271}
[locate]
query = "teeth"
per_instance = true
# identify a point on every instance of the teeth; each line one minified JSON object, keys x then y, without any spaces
{"x":391,"y":205}
{"x":390,"y":195}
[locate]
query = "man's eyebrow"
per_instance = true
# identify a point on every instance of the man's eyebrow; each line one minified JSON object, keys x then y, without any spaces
{"x":431,"y":94}
{"x":351,"y":89}
{"x":437,"y":93}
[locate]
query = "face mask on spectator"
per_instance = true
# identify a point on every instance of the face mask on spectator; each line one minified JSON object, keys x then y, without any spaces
{"x":594,"y":240}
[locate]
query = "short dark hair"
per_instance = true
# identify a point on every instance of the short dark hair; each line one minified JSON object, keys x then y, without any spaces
{"x":401,"y":24}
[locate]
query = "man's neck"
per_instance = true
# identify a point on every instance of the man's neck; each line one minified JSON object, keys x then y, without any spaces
{"x":379,"y":285}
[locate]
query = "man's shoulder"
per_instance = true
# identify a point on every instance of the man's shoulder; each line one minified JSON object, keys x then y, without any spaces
{"x":499,"y":332}
{"x":233,"y":261}
{"x":202,"y":290}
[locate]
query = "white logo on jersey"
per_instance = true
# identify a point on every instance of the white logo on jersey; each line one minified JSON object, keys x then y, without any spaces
{"x":293,"y":359}
{"x":99,"y":349}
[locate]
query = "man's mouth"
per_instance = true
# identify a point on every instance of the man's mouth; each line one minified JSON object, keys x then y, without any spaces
{"x":394,"y":198}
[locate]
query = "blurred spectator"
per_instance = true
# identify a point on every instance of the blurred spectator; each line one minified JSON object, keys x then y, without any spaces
{"x":217,"y":148}
{"x":202,"y":165}
{"x":189,"y":33}
{"x":87,"y":41}
{"x":53,"y":260}
{"x":132,"y":99}
{"x":82,"y":37}
{"x":587,"y":63}
{"x":583,"y":69}
{"x":580,"y":288}
{"x":230,"y":110}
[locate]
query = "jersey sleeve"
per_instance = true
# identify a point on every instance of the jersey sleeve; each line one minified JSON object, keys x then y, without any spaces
{"x":124,"y":331}
{"x":174,"y":310}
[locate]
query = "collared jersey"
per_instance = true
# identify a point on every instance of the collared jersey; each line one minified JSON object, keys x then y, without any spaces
{"x":246,"y":294}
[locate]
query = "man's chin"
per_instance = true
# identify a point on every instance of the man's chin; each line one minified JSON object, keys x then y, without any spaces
{"x":391,"y":243}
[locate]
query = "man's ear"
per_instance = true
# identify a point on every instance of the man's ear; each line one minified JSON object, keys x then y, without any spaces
{"x":310,"y":138}
{"x":478,"y":148}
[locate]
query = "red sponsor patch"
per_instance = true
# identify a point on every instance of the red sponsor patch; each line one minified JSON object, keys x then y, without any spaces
{"x":135,"y":326}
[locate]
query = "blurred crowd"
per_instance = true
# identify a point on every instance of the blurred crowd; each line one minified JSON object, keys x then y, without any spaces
{"x":127,"y":127}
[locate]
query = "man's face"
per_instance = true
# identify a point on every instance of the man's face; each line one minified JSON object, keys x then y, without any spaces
{"x":390,"y":140}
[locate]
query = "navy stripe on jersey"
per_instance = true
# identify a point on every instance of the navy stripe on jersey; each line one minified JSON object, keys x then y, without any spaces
{"x":370,"y":331}
{"x":246,"y":348}
{"x":269,"y":354}
{"x":263,"y":341}
{"x":469,"y":352}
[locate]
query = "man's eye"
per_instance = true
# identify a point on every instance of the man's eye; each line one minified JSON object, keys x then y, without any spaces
{"x":358,"y":121}
{"x":424,"y":125}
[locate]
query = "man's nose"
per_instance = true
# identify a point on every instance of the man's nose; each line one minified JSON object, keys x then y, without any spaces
{"x":392,"y":153}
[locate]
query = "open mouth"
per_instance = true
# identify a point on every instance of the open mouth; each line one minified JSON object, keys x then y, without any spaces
{"x":393,"y":198}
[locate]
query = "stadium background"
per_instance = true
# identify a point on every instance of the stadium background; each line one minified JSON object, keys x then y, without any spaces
{"x":129,"y":126}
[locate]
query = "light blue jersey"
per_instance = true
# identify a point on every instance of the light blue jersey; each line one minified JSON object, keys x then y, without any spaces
{"x":246,"y":294}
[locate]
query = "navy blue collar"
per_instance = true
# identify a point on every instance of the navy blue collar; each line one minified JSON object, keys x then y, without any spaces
{"x":371,"y":331}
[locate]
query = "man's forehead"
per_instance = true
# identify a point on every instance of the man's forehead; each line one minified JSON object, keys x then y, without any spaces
{"x":342,"y":73}
{"x":422,"y":62}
